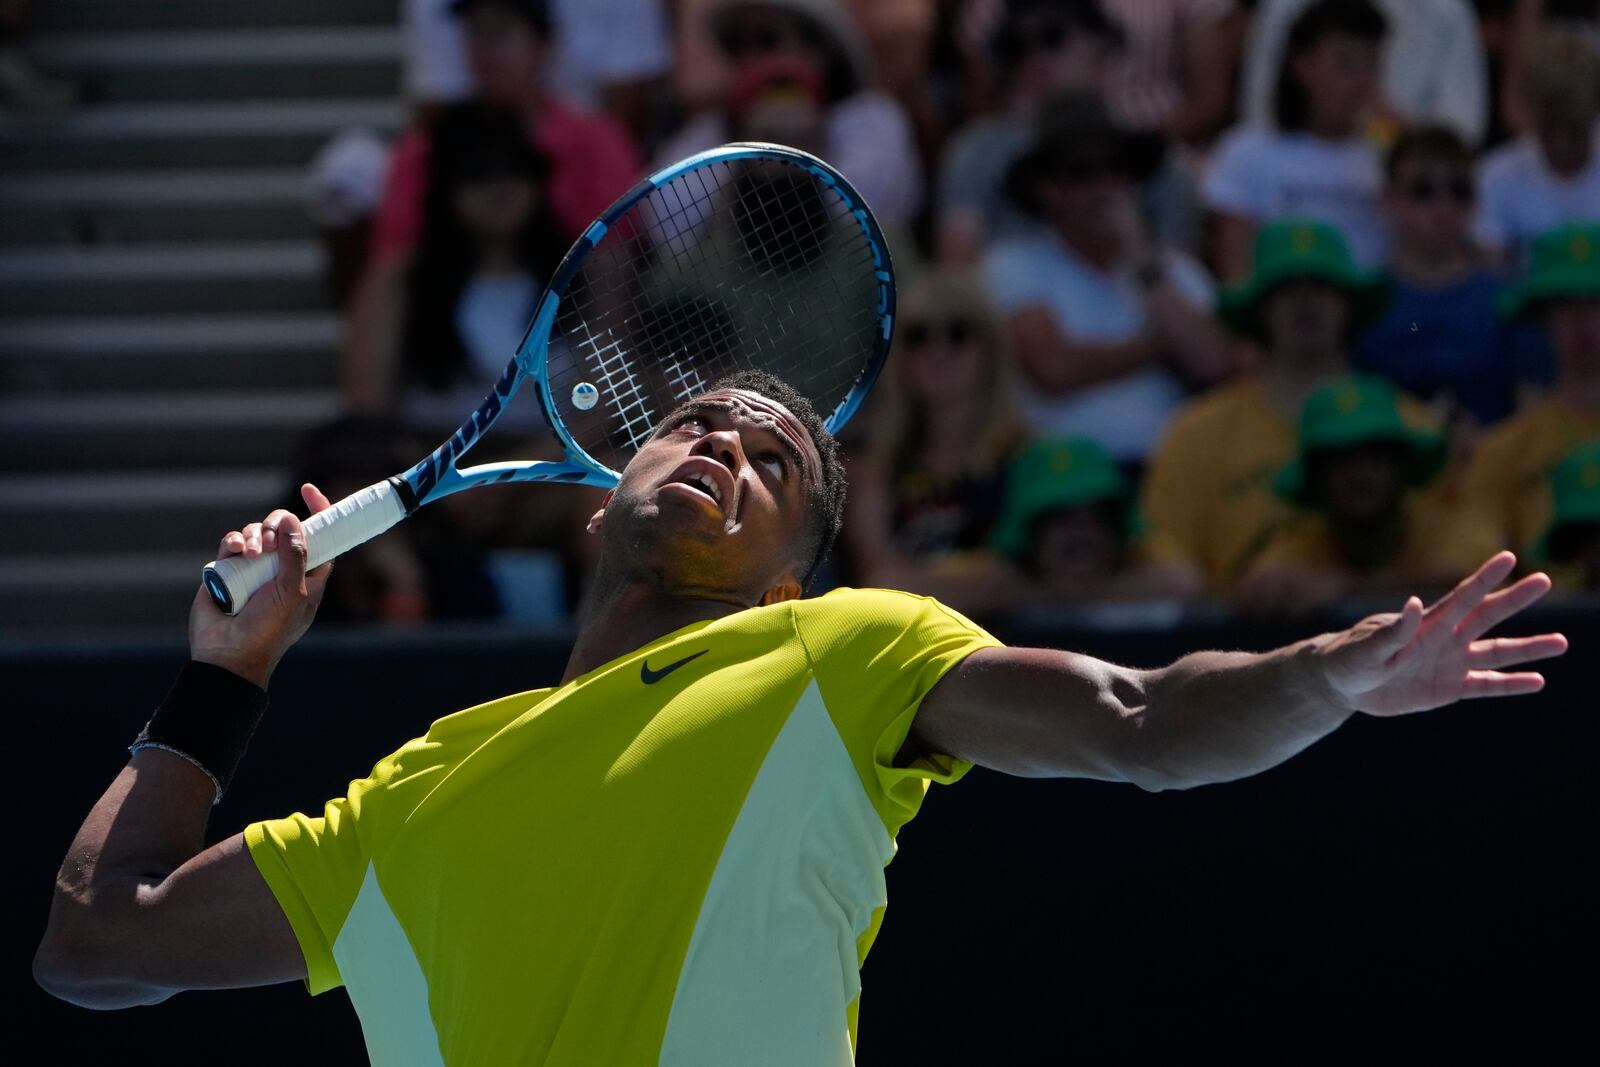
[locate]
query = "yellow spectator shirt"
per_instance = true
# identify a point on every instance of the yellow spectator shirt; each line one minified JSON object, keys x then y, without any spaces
{"x":1208,"y":490}
{"x":1437,"y":542}
{"x":1509,"y":482}
{"x":677,"y":858}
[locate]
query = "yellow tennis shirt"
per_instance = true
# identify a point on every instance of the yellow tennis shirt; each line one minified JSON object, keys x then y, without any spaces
{"x":677,"y":858}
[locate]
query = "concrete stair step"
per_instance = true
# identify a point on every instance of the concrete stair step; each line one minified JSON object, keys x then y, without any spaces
{"x":239,"y":276}
{"x":101,"y":15}
{"x":188,"y":134}
{"x":184,"y":353}
{"x":78,"y":512}
{"x":122,"y":590}
{"x":222,"y":64}
{"x":145,"y":431}
{"x":91,"y":208}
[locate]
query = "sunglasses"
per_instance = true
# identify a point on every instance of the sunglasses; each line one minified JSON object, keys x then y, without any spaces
{"x":1458,"y":189}
{"x":955,"y":332}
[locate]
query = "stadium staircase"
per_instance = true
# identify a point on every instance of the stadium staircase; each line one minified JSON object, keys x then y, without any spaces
{"x":165,"y":330}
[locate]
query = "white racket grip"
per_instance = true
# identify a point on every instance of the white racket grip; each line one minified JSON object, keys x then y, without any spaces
{"x":335,"y":530}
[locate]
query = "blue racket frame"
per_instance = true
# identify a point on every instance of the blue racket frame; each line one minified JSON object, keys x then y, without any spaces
{"x":437,"y":476}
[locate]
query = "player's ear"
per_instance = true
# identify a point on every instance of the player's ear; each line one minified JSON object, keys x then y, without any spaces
{"x":598,"y":518}
{"x":788,"y":588}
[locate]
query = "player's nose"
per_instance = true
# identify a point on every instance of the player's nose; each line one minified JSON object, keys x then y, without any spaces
{"x":724,"y":446}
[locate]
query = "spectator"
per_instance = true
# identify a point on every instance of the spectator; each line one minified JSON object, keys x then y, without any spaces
{"x":1364,"y":529}
{"x":1434,"y":70}
{"x":779,"y":99}
{"x":1209,"y":489}
{"x":1510,"y":475}
{"x":1550,"y":175}
{"x":592,"y":162}
{"x":1570,"y":546}
{"x":901,"y":37}
{"x":489,"y":241}
{"x":607,"y":55}
{"x":1108,"y":328}
{"x":926,"y":489}
{"x":868,"y":136}
{"x":1441,"y":337}
{"x":1042,"y":49}
{"x":1175,"y":72}
{"x":1070,"y":525}
{"x":1518,"y":22}
{"x":1314,"y":160}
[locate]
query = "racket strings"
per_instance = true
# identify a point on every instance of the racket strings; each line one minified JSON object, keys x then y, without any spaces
{"x":732,"y":265}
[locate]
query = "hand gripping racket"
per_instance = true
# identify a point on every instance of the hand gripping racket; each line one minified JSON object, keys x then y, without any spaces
{"x":746,"y":256}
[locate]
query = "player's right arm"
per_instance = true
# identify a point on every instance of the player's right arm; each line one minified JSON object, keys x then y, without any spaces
{"x":142,"y":909}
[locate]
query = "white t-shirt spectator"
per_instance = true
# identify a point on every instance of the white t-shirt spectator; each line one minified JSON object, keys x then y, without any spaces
{"x":1126,"y":415}
{"x":596,"y":43}
{"x":1433,"y":65}
{"x":600,"y":43}
{"x":1144,"y":88}
{"x":1520,"y":197}
{"x":869,"y":140}
{"x":1262,"y":175}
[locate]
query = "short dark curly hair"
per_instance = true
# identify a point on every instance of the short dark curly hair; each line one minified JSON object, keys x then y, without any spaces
{"x":827,"y":498}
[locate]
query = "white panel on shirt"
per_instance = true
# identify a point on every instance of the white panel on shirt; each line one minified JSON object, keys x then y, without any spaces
{"x":771,"y":967}
{"x":385,"y":983}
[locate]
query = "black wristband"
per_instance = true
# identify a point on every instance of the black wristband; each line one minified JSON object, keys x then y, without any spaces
{"x":208,"y":718}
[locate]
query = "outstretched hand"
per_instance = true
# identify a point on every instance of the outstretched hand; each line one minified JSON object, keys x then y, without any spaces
{"x":1419,"y":658}
{"x":251,"y":643}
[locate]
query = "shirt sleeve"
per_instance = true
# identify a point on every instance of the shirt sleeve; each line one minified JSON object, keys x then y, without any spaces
{"x":315,"y":865}
{"x":876,"y":653}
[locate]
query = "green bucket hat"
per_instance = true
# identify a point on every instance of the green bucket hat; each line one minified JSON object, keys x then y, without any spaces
{"x":1575,"y":491}
{"x":1353,"y":411}
{"x":1300,"y":248}
{"x":1057,"y":473}
{"x":1565,"y":262}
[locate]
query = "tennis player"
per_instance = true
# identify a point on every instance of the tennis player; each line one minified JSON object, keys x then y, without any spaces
{"x":676,"y":855}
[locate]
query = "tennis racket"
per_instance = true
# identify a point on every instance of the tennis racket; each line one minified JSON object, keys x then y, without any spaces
{"x":745,"y":256}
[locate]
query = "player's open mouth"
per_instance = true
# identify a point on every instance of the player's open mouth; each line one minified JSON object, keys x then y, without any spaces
{"x":707,"y":479}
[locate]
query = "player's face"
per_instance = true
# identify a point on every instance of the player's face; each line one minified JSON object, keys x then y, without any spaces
{"x":718,"y":497}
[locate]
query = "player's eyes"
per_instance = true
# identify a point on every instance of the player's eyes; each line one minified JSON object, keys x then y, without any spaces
{"x":692,"y":422}
{"x":775,"y":462}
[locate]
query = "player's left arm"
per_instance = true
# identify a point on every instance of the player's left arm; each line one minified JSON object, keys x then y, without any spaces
{"x":1217,"y":716}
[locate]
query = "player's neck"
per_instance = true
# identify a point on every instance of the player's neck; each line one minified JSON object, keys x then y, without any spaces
{"x":620,"y":616}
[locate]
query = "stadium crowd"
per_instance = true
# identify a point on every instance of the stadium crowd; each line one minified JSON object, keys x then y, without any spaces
{"x":1276,"y":304}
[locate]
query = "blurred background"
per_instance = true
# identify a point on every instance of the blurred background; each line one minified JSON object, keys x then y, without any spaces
{"x":1222,"y":322}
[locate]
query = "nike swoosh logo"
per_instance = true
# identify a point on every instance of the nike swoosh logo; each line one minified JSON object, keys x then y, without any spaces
{"x":650,"y":677}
